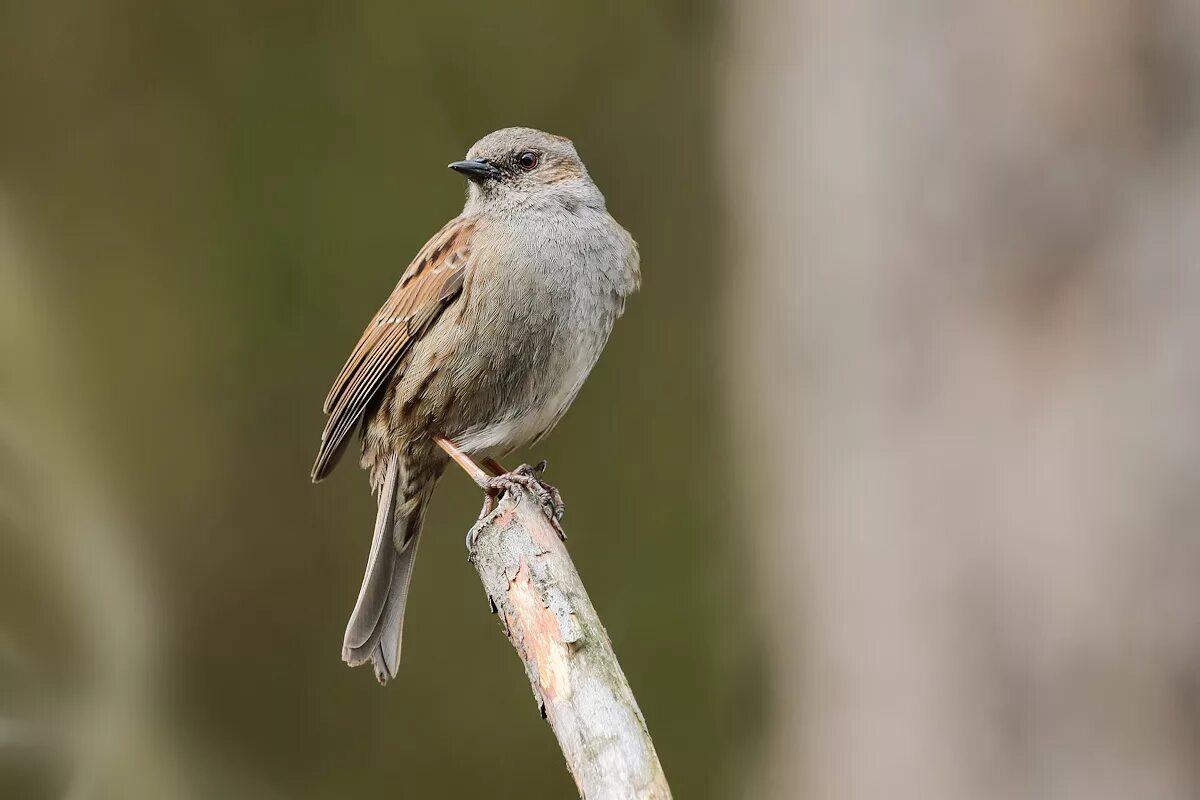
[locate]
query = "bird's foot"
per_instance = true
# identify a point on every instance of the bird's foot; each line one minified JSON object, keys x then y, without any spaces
{"x":529,"y":478}
{"x":495,"y":481}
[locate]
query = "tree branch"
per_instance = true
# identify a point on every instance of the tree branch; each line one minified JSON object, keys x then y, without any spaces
{"x":545,"y":612}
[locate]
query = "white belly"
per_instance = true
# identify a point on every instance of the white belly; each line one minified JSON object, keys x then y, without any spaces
{"x":525,"y":427}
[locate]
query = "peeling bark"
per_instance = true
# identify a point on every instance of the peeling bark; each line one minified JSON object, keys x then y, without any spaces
{"x":581,"y":691}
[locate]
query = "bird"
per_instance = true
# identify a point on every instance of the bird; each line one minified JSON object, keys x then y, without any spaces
{"x":480,"y":349}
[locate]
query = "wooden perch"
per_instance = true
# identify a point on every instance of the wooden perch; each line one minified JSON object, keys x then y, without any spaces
{"x":546,"y":614}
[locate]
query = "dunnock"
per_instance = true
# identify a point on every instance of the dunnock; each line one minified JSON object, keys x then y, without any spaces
{"x":480,"y":349}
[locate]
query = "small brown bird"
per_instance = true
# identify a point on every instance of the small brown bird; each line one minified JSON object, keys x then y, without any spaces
{"x":480,"y":349}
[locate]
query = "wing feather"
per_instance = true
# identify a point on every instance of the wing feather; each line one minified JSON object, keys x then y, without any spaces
{"x":432,"y":282}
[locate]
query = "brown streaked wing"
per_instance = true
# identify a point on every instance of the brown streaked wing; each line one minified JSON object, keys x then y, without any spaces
{"x":432,"y":282}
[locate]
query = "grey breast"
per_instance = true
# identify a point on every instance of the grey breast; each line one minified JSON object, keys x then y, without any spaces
{"x":548,"y":301}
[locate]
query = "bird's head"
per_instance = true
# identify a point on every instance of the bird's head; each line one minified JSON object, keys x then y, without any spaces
{"x":516,"y":166}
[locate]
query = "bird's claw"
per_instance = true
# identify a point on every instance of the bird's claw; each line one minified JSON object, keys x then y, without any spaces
{"x":529,"y":478}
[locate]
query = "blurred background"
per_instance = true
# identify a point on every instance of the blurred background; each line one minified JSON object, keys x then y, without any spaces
{"x":886,"y":485}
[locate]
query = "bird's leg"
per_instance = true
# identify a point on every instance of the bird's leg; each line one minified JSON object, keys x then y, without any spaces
{"x":473,"y":470}
{"x":494,"y":480}
{"x":477,"y":474}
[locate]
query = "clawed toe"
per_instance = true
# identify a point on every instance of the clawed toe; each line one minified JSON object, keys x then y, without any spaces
{"x":495,"y":482}
{"x":528,"y":477}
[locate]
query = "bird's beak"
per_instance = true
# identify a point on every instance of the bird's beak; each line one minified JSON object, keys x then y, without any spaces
{"x":476,"y":170}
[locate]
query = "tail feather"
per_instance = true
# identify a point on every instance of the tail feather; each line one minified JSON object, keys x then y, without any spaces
{"x":380,"y":565}
{"x":377,"y":623}
{"x":391,"y":623}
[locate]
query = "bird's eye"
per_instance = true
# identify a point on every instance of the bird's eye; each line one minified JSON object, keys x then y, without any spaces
{"x":527,"y":160}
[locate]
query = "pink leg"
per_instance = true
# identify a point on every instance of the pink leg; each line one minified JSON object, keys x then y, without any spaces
{"x":494,"y":479}
{"x":473,"y":470}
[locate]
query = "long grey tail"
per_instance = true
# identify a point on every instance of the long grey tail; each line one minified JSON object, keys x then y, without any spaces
{"x":377,"y":622}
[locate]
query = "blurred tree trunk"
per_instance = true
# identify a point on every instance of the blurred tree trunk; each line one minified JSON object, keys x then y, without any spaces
{"x":966,"y":351}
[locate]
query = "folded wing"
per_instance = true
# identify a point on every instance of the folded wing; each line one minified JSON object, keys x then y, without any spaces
{"x":432,"y":283}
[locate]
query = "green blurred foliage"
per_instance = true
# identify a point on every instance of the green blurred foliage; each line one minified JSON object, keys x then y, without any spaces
{"x":219,"y":195}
